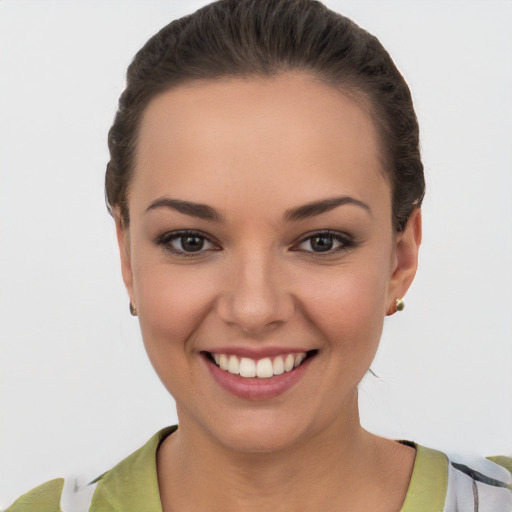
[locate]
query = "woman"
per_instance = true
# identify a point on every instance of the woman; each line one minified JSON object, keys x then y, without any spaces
{"x":266,"y":184}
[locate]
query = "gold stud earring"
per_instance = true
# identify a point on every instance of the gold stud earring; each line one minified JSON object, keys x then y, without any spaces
{"x":133,"y":310}
{"x":399,"y":304}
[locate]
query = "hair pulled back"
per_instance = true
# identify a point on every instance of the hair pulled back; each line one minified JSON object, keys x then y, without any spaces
{"x":263,"y":38}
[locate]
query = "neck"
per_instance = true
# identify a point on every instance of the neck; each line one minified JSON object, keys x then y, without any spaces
{"x":197,"y":473}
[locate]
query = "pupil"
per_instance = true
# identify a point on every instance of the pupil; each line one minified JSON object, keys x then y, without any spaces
{"x":322,"y":243}
{"x":192,"y":243}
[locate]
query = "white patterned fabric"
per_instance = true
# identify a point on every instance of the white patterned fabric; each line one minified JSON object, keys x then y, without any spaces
{"x":478,"y":485}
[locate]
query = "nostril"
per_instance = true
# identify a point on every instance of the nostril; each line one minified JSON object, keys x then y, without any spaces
{"x":255,"y":305}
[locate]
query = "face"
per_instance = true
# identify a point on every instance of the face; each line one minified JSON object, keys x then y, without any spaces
{"x":260,"y":256}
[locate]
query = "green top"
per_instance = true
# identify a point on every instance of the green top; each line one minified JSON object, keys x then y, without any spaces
{"x":132,"y":485}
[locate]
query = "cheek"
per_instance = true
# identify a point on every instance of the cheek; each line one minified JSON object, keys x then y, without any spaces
{"x":172,"y":302}
{"x":349,"y":308}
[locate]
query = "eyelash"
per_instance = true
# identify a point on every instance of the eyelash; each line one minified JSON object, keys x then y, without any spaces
{"x":166,"y":240}
{"x":345,"y":242}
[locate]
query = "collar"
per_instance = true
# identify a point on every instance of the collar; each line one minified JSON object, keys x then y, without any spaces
{"x":429,"y":481}
{"x":132,"y":485}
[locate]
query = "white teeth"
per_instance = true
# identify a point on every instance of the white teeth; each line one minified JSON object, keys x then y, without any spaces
{"x":278,"y":365}
{"x":223,"y":362}
{"x":298,"y":359}
{"x":263,"y":368}
{"x":233,"y":366}
{"x":289,"y":362}
{"x":247,"y":367}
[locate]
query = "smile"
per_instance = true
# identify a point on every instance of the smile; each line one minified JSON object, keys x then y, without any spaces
{"x":257,"y":378}
{"x":264,"y":368}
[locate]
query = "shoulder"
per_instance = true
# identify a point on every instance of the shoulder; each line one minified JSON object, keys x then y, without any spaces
{"x":55,"y":496}
{"x":131,"y":485}
{"x":480,"y":484}
{"x":444,"y":483}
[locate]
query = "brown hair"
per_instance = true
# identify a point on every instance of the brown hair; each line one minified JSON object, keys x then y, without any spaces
{"x":242,"y":38}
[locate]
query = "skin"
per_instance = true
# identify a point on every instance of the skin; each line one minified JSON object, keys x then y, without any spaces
{"x":253,"y":150}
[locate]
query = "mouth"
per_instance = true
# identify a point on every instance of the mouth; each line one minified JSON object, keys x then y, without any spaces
{"x":264,"y":368}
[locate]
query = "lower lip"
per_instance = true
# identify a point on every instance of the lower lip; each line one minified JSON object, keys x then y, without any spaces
{"x":255,"y":388}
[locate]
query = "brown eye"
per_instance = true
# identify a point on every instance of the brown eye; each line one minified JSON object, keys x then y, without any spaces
{"x":186,"y":243}
{"x":326,"y":242}
{"x":191,"y":243}
{"x":322,"y":243}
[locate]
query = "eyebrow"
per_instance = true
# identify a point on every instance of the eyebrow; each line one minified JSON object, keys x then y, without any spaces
{"x":317,"y":207}
{"x":199,"y":210}
{"x":205,"y":212}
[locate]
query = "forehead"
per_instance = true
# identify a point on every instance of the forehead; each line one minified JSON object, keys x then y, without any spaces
{"x":289,"y":132}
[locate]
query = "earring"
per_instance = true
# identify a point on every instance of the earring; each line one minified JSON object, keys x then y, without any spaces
{"x":133,"y":310}
{"x":399,"y":304}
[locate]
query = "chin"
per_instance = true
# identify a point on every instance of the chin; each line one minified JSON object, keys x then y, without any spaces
{"x":258,"y":439}
{"x":262,"y":431}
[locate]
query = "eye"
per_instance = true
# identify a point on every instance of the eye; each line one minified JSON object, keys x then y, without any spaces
{"x":186,"y":243}
{"x":326,"y":242}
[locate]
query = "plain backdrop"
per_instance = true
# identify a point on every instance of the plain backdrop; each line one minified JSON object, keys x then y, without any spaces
{"x":77,"y":393}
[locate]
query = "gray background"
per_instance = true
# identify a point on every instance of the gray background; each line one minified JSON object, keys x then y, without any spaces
{"x":77,"y":393}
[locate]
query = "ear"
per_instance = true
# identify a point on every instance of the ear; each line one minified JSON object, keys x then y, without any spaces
{"x":406,"y":249}
{"x":123,"y":241}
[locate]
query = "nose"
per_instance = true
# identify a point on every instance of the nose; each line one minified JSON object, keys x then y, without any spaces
{"x":256,"y":297}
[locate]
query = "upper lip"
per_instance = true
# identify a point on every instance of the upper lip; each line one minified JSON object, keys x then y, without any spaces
{"x":256,"y":353}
